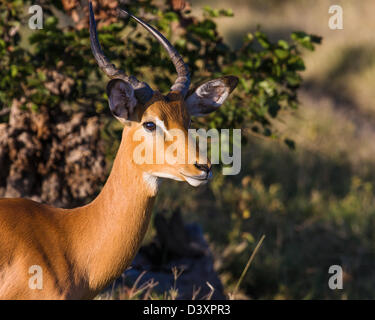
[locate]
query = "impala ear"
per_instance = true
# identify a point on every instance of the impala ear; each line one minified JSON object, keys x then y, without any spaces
{"x":209,"y":96}
{"x":121,"y":98}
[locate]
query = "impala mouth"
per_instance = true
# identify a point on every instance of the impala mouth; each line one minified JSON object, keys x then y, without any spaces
{"x":195,"y":177}
{"x":195,"y":181}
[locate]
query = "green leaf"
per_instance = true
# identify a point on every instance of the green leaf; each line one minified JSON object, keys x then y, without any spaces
{"x":283,"y":44}
{"x":293,"y":80}
{"x":13,"y":71}
{"x":249,"y":37}
{"x":281,"y":54}
{"x":262,"y":39}
{"x":34,"y":107}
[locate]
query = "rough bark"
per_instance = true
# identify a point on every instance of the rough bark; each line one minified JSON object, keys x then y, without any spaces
{"x":51,"y":157}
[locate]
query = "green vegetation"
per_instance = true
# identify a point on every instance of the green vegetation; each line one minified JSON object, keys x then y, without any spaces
{"x":269,"y":72}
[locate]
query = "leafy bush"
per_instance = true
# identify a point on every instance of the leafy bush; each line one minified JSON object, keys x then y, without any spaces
{"x":56,"y":67}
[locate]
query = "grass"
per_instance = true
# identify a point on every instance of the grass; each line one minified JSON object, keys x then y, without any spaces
{"x":146,"y":290}
{"x":232,"y":295}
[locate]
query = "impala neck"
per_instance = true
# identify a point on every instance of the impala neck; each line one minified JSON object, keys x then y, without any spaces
{"x":109,"y":231}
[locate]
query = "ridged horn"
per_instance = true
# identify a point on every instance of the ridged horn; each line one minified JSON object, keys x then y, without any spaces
{"x":182,"y":82}
{"x":141,"y":89}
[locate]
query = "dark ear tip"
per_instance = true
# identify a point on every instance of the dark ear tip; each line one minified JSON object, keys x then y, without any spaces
{"x":115,"y":113}
{"x":231,"y":82}
{"x":91,"y":9}
{"x":123,"y":13}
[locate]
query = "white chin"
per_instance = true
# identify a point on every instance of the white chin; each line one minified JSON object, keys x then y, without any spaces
{"x":195,"y":182}
{"x":166,"y":176}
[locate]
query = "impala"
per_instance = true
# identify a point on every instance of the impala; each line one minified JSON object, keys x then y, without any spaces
{"x":81,"y":251}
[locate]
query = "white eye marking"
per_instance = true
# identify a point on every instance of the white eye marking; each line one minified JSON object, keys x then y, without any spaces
{"x":160,"y":124}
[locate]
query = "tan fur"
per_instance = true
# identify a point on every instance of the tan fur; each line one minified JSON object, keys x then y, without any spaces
{"x":83,"y":250}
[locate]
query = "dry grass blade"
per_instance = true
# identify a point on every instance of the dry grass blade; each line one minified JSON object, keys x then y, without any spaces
{"x":212,"y":290}
{"x":173,"y":291}
{"x":133,"y":290}
{"x":136,"y":290}
{"x":195,"y":292}
{"x":231,"y":296}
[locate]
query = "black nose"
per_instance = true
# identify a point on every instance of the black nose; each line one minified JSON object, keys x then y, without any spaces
{"x":203,"y":167}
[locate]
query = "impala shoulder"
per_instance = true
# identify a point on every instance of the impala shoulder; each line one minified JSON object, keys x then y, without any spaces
{"x":6,"y":203}
{"x":30,"y":210}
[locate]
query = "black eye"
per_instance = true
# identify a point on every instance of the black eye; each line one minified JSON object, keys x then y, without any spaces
{"x":150,"y":126}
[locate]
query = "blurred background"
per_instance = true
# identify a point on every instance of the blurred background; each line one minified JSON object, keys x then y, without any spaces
{"x":305,"y":104}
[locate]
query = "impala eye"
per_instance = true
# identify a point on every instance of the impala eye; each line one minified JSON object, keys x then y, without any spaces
{"x":149,"y":126}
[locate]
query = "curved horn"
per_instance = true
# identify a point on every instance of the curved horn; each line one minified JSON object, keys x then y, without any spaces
{"x":182,"y":82}
{"x":141,"y":89}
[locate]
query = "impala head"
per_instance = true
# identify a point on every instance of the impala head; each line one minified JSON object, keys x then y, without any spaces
{"x":155,"y":117}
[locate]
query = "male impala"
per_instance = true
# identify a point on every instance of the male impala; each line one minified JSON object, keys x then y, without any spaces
{"x":82,"y":250}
